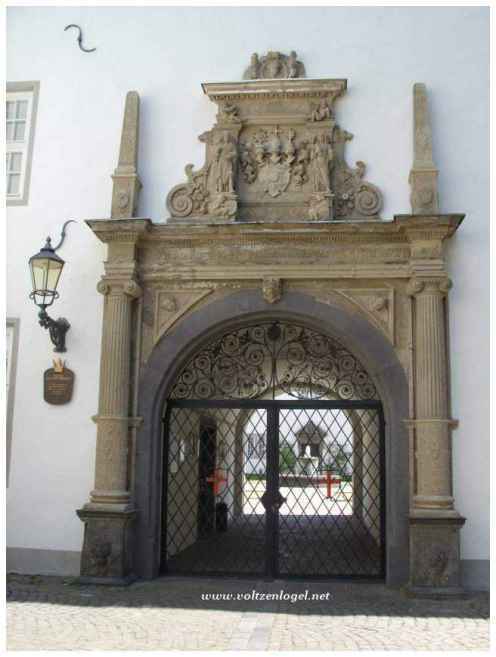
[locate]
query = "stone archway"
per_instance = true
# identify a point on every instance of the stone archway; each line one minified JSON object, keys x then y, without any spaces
{"x":276,"y":224}
{"x":352,"y":330}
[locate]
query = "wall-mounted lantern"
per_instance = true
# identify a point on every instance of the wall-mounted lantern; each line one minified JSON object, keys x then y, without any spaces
{"x":46,"y":267}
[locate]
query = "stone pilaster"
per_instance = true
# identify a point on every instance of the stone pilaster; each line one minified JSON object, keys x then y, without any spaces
{"x":431,"y":396}
{"x":434,"y":533}
{"x":111,"y":476}
{"x":109,"y":514}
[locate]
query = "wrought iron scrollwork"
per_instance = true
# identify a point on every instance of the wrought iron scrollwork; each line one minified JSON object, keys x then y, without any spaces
{"x":79,"y":37}
{"x":270,"y":358}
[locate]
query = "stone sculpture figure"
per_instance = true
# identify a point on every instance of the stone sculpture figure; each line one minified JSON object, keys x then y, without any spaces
{"x":290,"y":149}
{"x":214,"y":174}
{"x":252,"y":71}
{"x":321,"y":112}
{"x":292,"y":65}
{"x":229,"y":156}
{"x":229,"y":113}
{"x":222,"y":169}
{"x":321,"y":157}
{"x":319,"y":206}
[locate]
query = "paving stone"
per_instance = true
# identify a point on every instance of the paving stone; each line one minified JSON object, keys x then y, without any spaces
{"x":50,"y":613}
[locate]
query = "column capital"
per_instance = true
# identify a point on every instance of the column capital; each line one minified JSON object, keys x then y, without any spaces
{"x":127,"y":287}
{"x":428,"y":286}
{"x":132,"y":289}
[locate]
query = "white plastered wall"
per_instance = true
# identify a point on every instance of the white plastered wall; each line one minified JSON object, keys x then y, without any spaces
{"x":165,"y":53}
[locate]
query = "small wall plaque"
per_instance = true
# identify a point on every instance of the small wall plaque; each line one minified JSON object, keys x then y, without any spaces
{"x":58,"y":384}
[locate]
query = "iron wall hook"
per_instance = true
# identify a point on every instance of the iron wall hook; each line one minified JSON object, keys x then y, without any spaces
{"x":79,"y":38}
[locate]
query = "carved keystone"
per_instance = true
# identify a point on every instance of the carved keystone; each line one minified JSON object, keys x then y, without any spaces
{"x":272,"y":290}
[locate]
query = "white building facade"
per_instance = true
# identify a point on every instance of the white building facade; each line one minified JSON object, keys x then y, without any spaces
{"x":72,"y":121}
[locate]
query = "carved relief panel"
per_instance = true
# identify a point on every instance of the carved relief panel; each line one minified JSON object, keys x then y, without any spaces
{"x":276,"y":153}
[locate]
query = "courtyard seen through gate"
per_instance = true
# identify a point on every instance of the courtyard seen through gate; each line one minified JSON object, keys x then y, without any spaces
{"x":286,"y":486}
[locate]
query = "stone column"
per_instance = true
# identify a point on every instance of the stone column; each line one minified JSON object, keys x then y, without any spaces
{"x":111,"y":476}
{"x":108,"y":517}
{"x":433,"y":451}
{"x":434,"y":531}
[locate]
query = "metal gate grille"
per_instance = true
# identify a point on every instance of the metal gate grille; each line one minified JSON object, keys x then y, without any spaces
{"x":205,"y":472}
{"x":282,"y":488}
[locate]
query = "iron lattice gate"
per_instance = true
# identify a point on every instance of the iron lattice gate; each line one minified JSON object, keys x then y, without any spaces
{"x":276,"y":488}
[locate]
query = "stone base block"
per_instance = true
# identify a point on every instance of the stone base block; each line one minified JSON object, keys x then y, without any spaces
{"x":424,"y":196}
{"x":107,"y":546}
{"x":435,"y":555}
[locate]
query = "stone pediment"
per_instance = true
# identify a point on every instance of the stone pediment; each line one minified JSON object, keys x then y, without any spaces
{"x":275,"y":153}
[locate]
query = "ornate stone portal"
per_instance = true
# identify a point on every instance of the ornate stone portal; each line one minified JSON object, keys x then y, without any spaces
{"x":255,"y":231}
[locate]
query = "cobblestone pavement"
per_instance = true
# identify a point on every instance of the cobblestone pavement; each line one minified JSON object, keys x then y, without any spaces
{"x":54,"y":613}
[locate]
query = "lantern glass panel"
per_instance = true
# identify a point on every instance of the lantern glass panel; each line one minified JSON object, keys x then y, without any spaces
{"x":53,"y":275}
{"x":39,"y":271}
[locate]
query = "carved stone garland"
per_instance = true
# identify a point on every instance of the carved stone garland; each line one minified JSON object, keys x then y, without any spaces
{"x":273,"y":358}
{"x":276,"y":153}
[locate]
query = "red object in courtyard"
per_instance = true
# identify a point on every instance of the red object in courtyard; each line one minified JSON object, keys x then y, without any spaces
{"x":329,"y":481}
{"x":217,"y":480}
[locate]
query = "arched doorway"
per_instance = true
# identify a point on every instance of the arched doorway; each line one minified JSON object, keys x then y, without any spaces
{"x":274,"y":458}
{"x":179,"y":345}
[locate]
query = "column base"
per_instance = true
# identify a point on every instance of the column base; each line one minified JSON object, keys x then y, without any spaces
{"x":107,"y":548}
{"x":435,"y":554}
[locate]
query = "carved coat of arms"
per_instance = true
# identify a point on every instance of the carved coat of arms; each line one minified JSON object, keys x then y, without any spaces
{"x":275,"y":178}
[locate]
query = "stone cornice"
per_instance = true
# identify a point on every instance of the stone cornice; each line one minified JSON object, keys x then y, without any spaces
{"x":399,"y":230}
{"x":119,"y":230}
{"x":428,"y":227}
{"x":285,"y":88}
{"x":403,"y":229}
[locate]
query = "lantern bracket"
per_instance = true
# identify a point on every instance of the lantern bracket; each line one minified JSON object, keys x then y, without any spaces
{"x":62,"y":234}
{"x":56,"y":328}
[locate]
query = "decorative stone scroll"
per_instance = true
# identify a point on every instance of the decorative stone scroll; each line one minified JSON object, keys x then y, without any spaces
{"x":276,"y":153}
